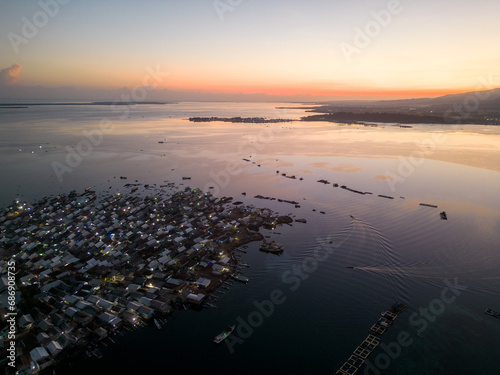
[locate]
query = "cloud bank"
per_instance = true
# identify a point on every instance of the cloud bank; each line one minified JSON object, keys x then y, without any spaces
{"x":10,"y":75}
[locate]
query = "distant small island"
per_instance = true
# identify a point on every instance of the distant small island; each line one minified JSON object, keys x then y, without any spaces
{"x":255,"y":120}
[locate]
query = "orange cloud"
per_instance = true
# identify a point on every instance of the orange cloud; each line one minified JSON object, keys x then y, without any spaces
{"x":10,"y":75}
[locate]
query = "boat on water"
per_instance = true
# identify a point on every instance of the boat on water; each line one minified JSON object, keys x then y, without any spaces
{"x":443,"y":215}
{"x":493,"y":313}
{"x":96,"y":352}
{"x":157,"y":323}
{"x":240,"y":278}
{"x":271,"y":247}
{"x":224,"y":335}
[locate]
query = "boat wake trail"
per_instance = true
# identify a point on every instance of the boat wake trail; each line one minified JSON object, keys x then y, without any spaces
{"x":341,"y":236}
{"x":369,"y":245}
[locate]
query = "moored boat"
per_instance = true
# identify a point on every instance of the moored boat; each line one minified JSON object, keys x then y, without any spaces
{"x":157,"y":323}
{"x":240,"y":278}
{"x":493,"y":313}
{"x":224,"y":335}
{"x":96,"y":352}
{"x":271,"y":247}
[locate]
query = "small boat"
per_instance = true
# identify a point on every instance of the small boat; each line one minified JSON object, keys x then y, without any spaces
{"x":240,"y":278}
{"x":157,"y":323}
{"x":96,"y":352}
{"x":350,"y":267}
{"x":492,"y":313}
{"x":271,"y":247}
{"x":443,"y":215}
{"x":224,"y":335}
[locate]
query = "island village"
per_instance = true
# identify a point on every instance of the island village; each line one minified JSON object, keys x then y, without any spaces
{"x":89,"y":267}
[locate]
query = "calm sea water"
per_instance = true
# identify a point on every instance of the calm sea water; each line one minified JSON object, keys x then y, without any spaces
{"x":400,"y":250}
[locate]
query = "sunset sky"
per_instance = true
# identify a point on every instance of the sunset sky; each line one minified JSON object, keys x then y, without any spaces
{"x":299,"y":49}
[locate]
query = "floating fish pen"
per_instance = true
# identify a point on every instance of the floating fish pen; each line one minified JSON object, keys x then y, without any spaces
{"x":428,"y":205}
{"x":353,"y":190}
{"x":358,"y":357}
{"x":385,"y":196}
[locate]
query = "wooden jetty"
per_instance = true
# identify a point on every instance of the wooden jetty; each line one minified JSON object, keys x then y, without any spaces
{"x":358,"y":357}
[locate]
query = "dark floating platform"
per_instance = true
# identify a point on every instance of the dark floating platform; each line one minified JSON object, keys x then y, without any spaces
{"x":385,"y":196}
{"x":428,"y":205}
{"x":353,"y":190}
{"x":278,"y":199}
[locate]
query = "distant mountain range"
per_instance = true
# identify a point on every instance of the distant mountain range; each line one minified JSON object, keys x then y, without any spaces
{"x":488,"y":99}
{"x":475,"y":107}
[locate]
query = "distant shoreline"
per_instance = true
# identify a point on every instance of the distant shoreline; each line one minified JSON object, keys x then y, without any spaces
{"x":26,"y":105}
{"x":384,"y":117}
